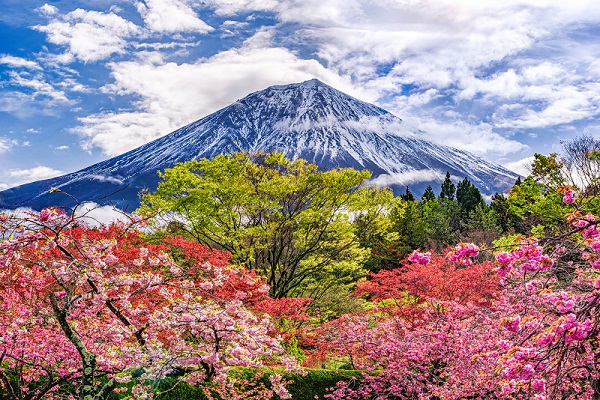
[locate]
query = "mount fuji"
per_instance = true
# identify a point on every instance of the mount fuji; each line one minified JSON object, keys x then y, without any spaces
{"x":309,"y":120}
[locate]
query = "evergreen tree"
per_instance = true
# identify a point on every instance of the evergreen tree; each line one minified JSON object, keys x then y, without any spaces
{"x":448,"y":188}
{"x":468,"y":197}
{"x":407,"y":221}
{"x":505,"y":217}
{"x":442,"y":221}
{"x":428,"y":195}
{"x":518,"y":181}
{"x":408,"y":196}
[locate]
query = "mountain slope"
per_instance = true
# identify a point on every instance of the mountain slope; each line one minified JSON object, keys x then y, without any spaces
{"x":308,"y":120}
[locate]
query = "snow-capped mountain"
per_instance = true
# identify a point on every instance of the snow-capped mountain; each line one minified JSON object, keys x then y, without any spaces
{"x":309,"y":120}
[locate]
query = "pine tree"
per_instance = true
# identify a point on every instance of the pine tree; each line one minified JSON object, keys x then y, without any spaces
{"x":468,"y":196}
{"x":408,"y":196}
{"x":448,"y":188}
{"x":428,"y":195}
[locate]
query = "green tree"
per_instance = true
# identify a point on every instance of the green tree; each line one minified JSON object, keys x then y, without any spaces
{"x":285,"y":219}
{"x":505,"y":217}
{"x":448,"y":188}
{"x":482,"y":226}
{"x":468,"y":197}
{"x":441,"y":220}
{"x":407,"y":219}
{"x":375,"y":230}
{"x":407,"y":196}
{"x":534,"y":205}
{"x":428,"y":195}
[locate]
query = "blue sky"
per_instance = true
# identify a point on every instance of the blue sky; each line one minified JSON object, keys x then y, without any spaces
{"x":82,"y":81}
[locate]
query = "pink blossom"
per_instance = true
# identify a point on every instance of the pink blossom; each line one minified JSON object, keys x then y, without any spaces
{"x":420,"y":258}
{"x":44,"y":215}
{"x":504,"y":257}
{"x":568,"y":197}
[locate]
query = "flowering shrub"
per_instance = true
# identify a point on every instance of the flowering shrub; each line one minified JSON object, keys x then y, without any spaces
{"x":98,"y":307}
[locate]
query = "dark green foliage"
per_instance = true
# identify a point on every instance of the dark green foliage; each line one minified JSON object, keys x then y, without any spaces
{"x":468,"y":197}
{"x":505,"y":217}
{"x":448,"y":188}
{"x":428,"y":195}
{"x":315,"y":383}
{"x":518,"y":181}
{"x":408,"y":196}
{"x":407,"y":220}
{"x":442,"y":222}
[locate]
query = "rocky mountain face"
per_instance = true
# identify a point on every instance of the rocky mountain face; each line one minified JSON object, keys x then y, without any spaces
{"x":309,"y":120}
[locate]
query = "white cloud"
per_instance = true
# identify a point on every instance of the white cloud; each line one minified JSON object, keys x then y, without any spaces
{"x":64,"y":147}
{"x":19,"y":62}
{"x":96,"y":215}
{"x":6,"y":144}
{"x":89,"y":35}
{"x":521,"y":167}
{"x":39,"y":87}
{"x":479,"y":138}
{"x":16,"y":177}
{"x":170,"y":16}
{"x":103,"y":178}
{"x":35,"y":173}
{"x":47,"y":9}
{"x":408,"y":178}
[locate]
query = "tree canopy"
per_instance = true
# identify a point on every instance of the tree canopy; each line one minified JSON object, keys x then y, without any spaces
{"x":285,"y":219}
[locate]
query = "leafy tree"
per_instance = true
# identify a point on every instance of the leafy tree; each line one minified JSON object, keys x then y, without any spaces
{"x":428,"y":195}
{"x":482,"y":226}
{"x":439,"y":279}
{"x":548,"y":170}
{"x":285,"y":219}
{"x":518,"y":181}
{"x":536,"y":337}
{"x":534,"y":204}
{"x":505,"y":217}
{"x":375,"y":231}
{"x":448,"y":189}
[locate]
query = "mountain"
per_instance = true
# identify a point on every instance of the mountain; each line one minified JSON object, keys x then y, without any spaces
{"x":309,"y":120}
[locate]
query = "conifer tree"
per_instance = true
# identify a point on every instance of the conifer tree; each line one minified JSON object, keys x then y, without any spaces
{"x":408,"y":196}
{"x":428,"y":195}
{"x":448,"y":188}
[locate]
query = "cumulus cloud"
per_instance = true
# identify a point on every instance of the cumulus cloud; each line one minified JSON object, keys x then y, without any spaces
{"x":88,"y":35}
{"x":39,"y":87}
{"x":479,"y":138}
{"x":470,"y":74}
{"x":16,"y":177}
{"x":96,"y":215}
{"x":521,"y":167}
{"x":19,"y":62}
{"x":171,"y":16}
